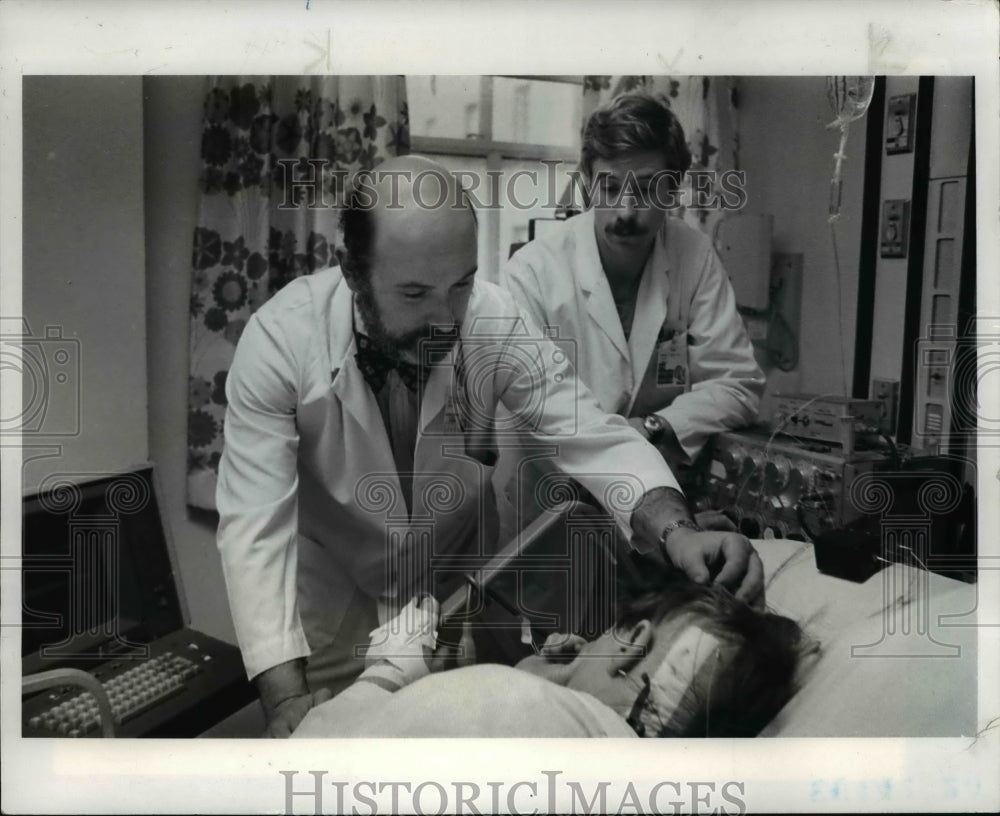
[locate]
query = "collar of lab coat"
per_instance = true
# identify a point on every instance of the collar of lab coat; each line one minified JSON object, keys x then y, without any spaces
{"x":651,"y":300}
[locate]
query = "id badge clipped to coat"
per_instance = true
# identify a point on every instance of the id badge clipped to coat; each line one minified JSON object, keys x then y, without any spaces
{"x":672,"y":358}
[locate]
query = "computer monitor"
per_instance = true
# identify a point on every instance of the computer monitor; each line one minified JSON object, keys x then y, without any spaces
{"x":97,"y":576}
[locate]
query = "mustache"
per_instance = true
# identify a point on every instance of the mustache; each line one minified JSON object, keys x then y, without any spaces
{"x":439,"y":338}
{"x":625,"y":229}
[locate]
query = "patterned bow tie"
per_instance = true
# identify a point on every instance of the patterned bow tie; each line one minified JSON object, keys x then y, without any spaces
{"x":375,"y":365}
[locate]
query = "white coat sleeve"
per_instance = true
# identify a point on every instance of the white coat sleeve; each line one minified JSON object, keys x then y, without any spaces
{"x":727,"y":383}
{"x":600,"y":450}
{"x":518,"y":277}
{"x":257,"y":497}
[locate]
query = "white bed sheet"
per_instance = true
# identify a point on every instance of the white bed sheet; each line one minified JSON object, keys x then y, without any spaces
{"x":898,"y":652}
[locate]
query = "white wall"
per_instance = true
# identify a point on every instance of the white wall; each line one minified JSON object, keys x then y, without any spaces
{"x":172,"y":132}
{"x":84,"y":268}
{"x":787,"y":152}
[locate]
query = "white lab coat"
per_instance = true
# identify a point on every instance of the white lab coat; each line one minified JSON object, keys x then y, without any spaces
{"x":708,"y":384}
{"x":560,"y":282}
{"x":307,"y":459}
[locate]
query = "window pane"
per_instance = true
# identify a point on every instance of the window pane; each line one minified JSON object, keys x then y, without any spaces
{"x":528,"y":189}
{"x":525,"y":190}
{"x":446,"y":106}
{"x":537,"y":111}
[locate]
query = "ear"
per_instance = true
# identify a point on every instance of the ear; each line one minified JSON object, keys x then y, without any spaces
{"x":633,"y":645}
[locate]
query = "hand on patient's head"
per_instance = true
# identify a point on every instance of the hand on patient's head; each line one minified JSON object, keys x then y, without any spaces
{"x":724,"y":558}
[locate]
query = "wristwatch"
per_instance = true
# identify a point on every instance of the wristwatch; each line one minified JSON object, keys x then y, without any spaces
{"x":690,"y":524}
{"x":654,"y":427}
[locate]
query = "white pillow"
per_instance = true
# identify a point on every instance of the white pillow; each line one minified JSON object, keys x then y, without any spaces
{"x":823,"y":605}
{"x":870,"y":679}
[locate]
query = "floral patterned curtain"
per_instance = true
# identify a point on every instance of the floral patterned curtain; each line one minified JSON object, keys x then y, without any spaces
{"x":276,"y":152}
{"x":694,"y":101}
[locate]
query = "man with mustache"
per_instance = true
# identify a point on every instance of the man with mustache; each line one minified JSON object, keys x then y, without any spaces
{"x":358,"y":459}
{"x":643,"y":296}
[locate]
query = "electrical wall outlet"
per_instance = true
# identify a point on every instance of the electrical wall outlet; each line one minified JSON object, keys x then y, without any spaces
{"x":886,"y":392}
{"x":895,"y":228}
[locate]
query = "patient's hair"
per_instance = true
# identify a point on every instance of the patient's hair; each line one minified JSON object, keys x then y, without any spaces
{"x":631,"y":122}
{"x":763,"y":652}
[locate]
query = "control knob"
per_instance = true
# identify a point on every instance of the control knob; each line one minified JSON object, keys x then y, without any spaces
{"x":776,"y":473}
{"x":753,"y":468}
{"x":732,"y":460}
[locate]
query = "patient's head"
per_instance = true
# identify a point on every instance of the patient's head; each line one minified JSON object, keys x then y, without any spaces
{"x":715,"y":666}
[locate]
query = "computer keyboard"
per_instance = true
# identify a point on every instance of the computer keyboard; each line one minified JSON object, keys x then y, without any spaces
{"x":131,"y":693}
{"x":182,"y":685}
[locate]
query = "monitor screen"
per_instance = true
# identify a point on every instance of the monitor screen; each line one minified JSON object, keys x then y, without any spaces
{"x":540,"y":227}
{"x":97,"y":579}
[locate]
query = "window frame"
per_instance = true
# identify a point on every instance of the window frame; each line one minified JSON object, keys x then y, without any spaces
{"x":495,"y":152}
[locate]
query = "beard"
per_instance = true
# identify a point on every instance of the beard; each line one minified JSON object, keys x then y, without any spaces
{"x":408,"y":344}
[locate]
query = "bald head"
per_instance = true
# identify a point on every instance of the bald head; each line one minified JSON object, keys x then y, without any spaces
{"x":404,"y":207}
{"x":410,"y":237}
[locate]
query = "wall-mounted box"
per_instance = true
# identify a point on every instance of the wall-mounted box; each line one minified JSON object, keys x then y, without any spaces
{"x":744,"y":245}
{"x":900,"y":114}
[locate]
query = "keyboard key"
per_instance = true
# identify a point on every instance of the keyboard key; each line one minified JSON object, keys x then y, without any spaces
{"x":133,"y":688}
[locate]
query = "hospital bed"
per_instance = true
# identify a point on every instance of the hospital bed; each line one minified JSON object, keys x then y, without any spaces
{"x":898,"y":653}
{"x":897,"y":656}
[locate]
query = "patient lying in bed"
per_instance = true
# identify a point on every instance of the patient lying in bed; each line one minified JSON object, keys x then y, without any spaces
{"x":682,"y":660}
